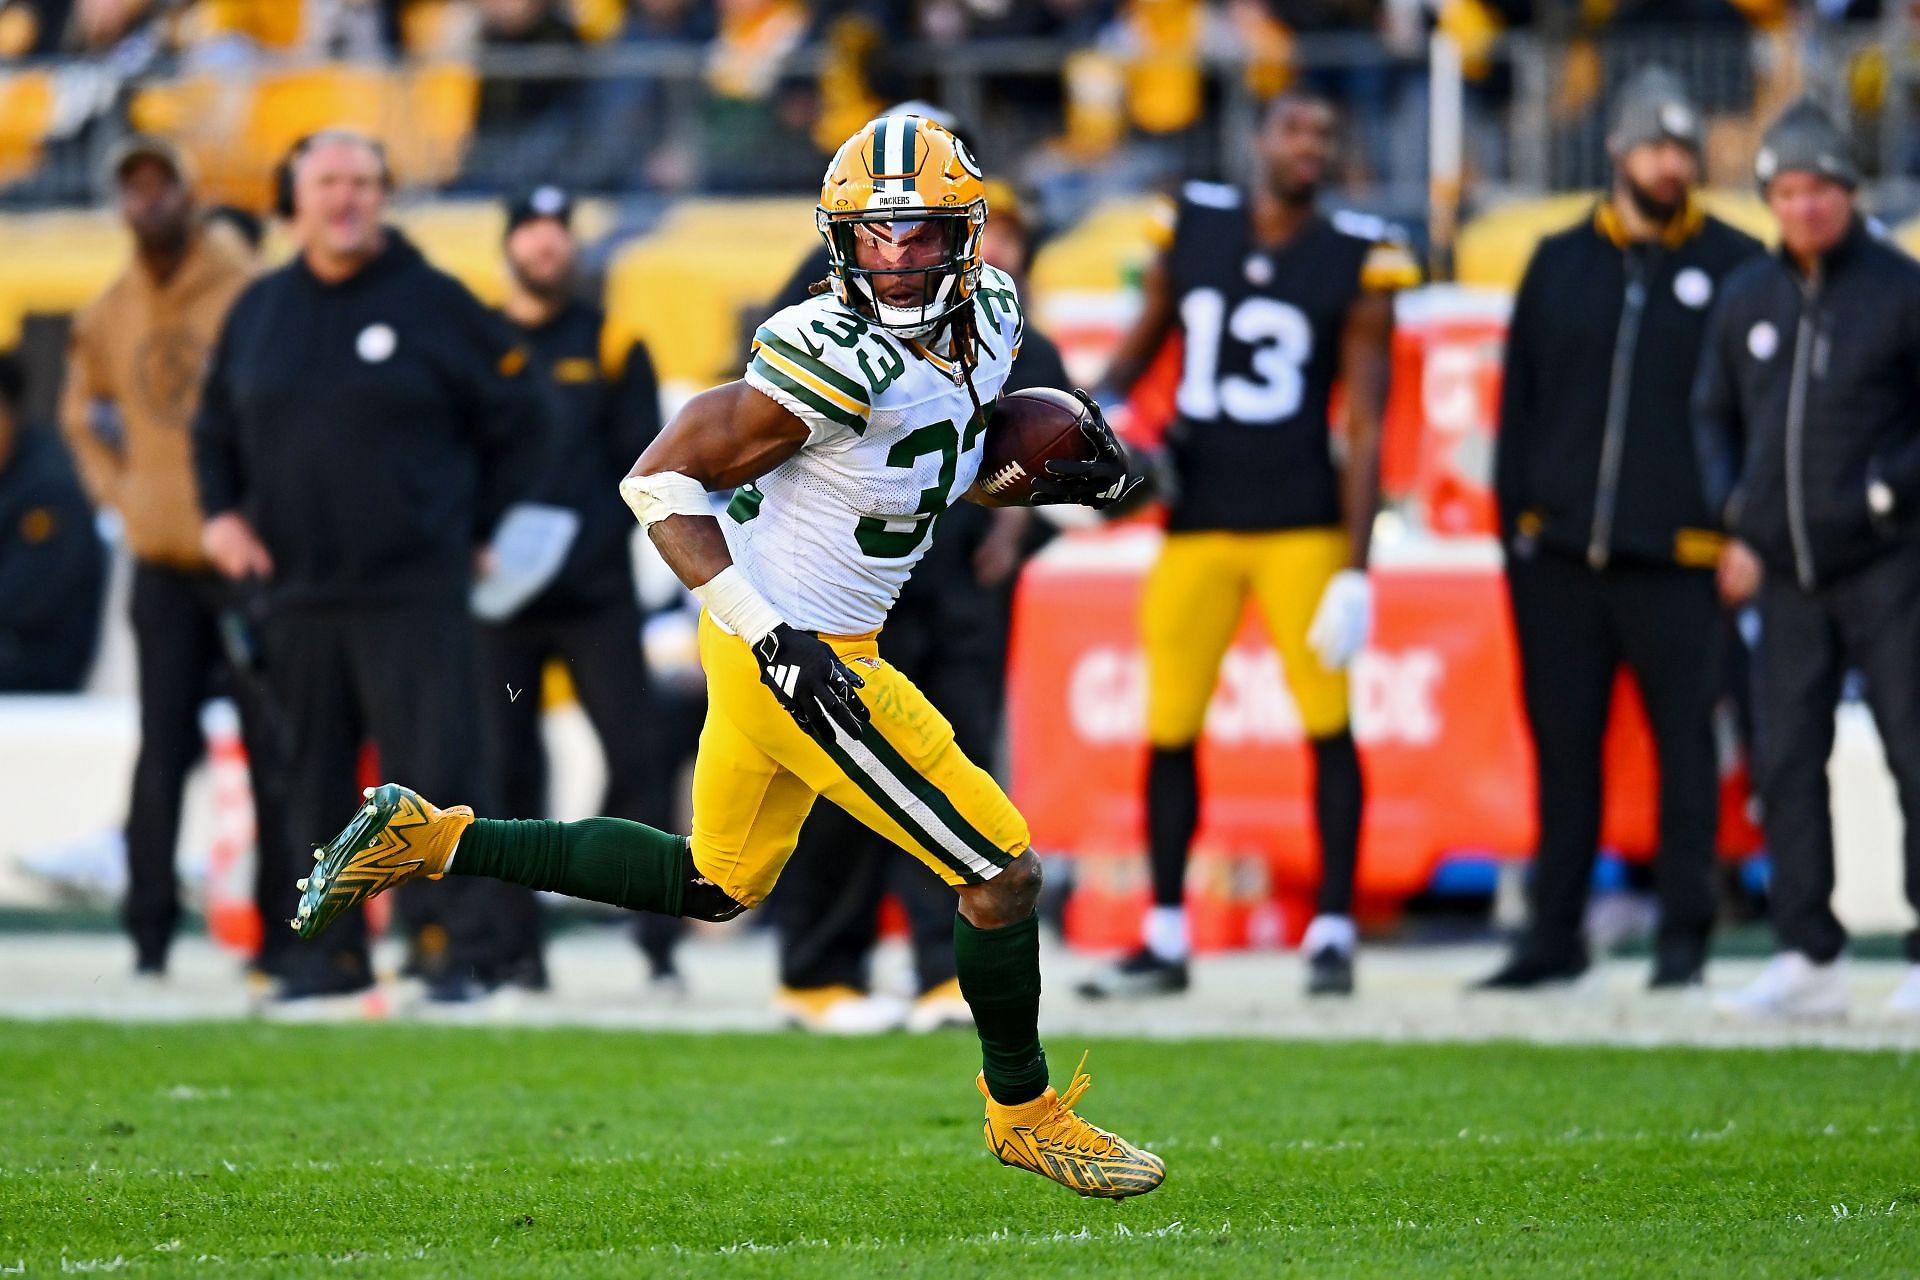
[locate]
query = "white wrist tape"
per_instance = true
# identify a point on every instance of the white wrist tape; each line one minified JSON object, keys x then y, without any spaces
{"x":665,"y":493}
{"x":735,"y":605}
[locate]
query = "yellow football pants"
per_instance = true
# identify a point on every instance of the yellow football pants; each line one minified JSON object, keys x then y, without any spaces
{"x":757,"y":775}
{"x":1194,"y":598}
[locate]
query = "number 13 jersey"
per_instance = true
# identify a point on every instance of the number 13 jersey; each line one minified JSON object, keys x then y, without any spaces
{"x":830,"y":535}
{"x":1261,"y":329}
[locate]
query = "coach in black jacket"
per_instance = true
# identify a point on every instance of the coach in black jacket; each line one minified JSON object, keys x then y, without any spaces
{"x":1808,"y":418}
{"x":603,"y":411}
{"x":1611,"y":547}
{"x":359,"y":434}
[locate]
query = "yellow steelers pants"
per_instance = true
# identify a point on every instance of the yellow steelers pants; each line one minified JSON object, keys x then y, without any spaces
{"x":1195,"y":596}
{"x":757,"y":775}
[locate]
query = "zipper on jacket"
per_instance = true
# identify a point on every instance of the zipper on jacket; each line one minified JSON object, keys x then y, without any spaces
{"x":1804,"y":338}
{"x":1613,"y":445}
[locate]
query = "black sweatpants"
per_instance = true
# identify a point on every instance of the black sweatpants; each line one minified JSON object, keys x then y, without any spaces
{"x":402,"y":677}
{"x":1870,"y":619}
{"x":601,"y":648}
{"x":1575,"y":627}
{"x":182,"y":662}
{"x":827,"y":902}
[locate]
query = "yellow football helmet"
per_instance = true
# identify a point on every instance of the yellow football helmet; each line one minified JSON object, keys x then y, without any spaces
{"x":902,"y":209}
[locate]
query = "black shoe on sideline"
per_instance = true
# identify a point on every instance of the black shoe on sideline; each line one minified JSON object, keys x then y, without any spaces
{"x":1678,"y":965}
{"x":1330,"y":972}
{"x":312,"y":976}
{"x":1141,"y":974}
{"x":1526,"y":973}
{"x":529,"y":973}
{"x":454,"y":986}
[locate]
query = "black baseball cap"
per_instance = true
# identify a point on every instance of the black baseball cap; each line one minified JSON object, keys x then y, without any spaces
{"x":543,"y":201}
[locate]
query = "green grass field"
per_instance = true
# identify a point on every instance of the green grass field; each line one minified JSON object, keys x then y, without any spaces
{"x":347,"y":1151}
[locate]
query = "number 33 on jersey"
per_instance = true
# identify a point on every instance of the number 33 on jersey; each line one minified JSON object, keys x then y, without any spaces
{"x":829,"y":536}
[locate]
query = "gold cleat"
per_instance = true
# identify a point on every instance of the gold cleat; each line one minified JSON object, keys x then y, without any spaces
{"x":1047,"y":1137}
{"x":396,"y":837}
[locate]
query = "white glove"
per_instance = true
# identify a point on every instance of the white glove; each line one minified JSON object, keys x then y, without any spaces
{"x":1342,"y":620}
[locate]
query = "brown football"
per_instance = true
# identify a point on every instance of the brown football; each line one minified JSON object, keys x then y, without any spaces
{"x":1027,"y":430}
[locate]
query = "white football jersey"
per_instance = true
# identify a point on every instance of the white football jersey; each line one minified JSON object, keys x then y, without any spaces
{"x":830,"y":535}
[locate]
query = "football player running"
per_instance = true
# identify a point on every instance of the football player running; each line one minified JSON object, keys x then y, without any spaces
{"x":1274,"y":301}
{"x":859,"y":420}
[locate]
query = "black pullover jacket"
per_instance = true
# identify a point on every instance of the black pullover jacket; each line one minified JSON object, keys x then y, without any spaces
{"x":603,"y":412}
{"x":1809,"y":390}
{"x":371,"y":431}
{"x":1595,"y":454}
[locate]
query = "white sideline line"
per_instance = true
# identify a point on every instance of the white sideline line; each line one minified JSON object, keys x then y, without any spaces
{"x":1407,"y":995}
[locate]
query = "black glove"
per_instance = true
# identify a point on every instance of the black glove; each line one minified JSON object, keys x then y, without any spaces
{"x":1100,"y":483}
{"x":811,"y":682}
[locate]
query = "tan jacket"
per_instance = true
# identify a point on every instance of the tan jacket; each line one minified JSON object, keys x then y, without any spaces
{"x":139,"y":353}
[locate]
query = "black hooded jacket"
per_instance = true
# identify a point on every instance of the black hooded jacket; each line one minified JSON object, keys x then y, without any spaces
{"x":1809,"y":390}
{"x":1595,"y":454}
{"x":372,"y":431}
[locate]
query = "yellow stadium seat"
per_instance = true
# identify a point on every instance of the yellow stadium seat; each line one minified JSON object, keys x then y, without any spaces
{"x":272,"y":24}
{"x":440,"y":101}
{"x":598,"y":20}
{"x":54,"y":263}
{"x":287,"y":105}
{"x":26,"y":109}
{"x":432,"y":28}
{"x":1493,"y":247}
{"x":682,"y":289}
{"x":1103,"y":251}
{"x":236,"y":128}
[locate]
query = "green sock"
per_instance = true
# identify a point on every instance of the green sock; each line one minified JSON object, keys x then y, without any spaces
{"x":999,"y":972}
{"x":602,"y":859}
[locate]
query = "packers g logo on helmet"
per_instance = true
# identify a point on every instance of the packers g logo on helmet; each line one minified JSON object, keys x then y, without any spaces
{"x":902,"y":209}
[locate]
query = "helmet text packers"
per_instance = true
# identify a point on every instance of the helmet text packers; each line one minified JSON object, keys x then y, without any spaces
{"x":902,"y":209}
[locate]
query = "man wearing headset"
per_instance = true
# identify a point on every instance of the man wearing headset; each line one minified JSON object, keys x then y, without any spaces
{"x":362,"y":427}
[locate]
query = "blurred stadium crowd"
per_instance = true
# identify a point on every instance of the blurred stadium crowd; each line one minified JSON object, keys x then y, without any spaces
{"x":1076,"y":97}
{"x":560,"y":157}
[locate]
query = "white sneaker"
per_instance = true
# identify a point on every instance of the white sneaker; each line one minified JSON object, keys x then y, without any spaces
{"x":1905,"y":1000}
{"x":1329,"y":931}
{"x":840,"y":1011}
{"x":1791,"y":986}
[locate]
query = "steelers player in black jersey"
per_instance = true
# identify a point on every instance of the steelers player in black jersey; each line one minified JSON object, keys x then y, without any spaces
{"x":1275,"y":301}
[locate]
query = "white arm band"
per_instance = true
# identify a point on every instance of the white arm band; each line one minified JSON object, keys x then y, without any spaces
{"x":728,"y":596}
{"x":735,"y":605}
{"x":662,"y":494}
